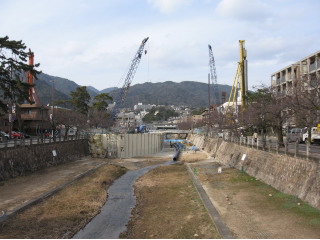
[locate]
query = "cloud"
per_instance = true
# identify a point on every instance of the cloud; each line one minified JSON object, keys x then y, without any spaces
{"x":246,"y":10}
{"x":168,"y":6}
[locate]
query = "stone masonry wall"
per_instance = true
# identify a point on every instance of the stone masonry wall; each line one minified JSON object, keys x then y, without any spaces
{"x":18,"y":161}
{"x":290,"y":175}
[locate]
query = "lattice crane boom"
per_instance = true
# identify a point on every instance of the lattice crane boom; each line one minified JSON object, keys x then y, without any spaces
{"x":213,"y":75}
{"x":133,"y":68}
{"x":129,"y":77}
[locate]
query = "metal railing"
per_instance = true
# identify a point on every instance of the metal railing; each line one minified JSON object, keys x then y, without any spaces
{"x":38,"y":140}
{"x":294,"y":149}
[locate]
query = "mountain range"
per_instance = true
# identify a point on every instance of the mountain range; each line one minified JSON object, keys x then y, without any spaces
{"x":188,"y":93}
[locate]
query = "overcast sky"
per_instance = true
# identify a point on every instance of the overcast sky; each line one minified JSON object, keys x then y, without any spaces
{"x":92,"y":42}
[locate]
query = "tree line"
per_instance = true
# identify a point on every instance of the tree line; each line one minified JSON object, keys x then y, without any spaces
{"x":270,"y":111}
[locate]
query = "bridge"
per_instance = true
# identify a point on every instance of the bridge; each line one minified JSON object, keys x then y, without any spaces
{"x":174,"y":133}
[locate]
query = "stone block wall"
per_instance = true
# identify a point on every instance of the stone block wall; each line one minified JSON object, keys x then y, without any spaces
{"x":287,"y":174}
{"x":18,"y":161}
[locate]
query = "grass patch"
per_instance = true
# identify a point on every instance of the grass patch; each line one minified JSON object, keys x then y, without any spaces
{"x":245,"y":178}
{"x":299,"y":207}
{"x":283,"y":201}
{"x":65,"y":213}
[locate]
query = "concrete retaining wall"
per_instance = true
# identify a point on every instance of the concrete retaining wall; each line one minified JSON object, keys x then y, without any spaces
{"x":290,"y":175}
{"x":18,"y":161}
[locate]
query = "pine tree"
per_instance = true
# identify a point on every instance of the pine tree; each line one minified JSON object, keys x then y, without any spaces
{"x":80,"y":100}
{"x":13,"y":65}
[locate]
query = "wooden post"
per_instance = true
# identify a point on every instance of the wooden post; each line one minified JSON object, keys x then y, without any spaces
{"x":308,"y":149}
{"x":269,"y":145}
{"x":285,"y":147}
{"x":257,"y":143}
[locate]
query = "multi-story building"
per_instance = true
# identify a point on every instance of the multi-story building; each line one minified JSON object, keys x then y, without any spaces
{"x":143,"y":107}
{"x":284,"y":81}
{"x":30,"y":118}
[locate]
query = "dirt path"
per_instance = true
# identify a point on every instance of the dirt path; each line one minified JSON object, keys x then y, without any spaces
{"x":250,"y":208}
{"x":17,"y":192}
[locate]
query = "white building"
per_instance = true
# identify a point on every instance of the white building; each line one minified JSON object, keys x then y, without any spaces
{"x":142,"y":107}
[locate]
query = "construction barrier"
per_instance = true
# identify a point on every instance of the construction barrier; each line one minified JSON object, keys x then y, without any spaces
{"x":125,"y":145}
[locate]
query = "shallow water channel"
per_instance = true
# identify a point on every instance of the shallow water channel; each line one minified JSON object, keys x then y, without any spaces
{"x":116,"y":212}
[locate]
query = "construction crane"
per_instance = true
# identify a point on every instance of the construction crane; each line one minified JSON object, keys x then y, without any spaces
{"x":128,"y":80}
{"x":240,"y":83}
{"x":213,"y":74}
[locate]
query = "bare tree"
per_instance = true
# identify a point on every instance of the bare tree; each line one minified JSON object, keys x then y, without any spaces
{"x":99,"y":118}
{"x":306,"y":102}
{"x":267,"y":110}
{"x":70,"y":119}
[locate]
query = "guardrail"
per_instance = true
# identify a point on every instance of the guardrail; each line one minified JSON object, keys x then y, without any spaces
{"x":38,"y":140}
{"x":294,"y":149}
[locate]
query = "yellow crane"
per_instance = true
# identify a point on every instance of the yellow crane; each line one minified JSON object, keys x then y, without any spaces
{"x":240,"y":83}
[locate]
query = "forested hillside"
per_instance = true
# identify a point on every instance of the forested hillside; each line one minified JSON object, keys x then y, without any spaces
{"x":194,"y":94}
{"x":188,"y":93}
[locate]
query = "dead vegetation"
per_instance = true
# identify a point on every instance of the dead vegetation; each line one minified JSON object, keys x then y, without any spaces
{"x":168,"y":206}
{"x":65,"y":213}
{"x":191,"y":156}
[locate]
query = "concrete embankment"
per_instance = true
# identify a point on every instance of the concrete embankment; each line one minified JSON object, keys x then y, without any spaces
{"x":290,"y":175}
{"x":19,"y":161}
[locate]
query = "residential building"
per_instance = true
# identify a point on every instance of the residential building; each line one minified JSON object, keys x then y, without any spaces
{"x":30,"y":118}
{"x":143,"y":107}
{"x":286,"y":79}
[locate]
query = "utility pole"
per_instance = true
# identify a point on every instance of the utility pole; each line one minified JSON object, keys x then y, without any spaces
{"x":52,"y":115}
{"x":209,"y":117}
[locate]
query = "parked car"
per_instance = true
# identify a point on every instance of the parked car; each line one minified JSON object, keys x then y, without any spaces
{"x":3,"y":134}
{"x":25,"y":135}
{"x":18,"y":135}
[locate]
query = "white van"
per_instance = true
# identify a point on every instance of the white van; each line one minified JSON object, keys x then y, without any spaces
{"x":295,"y":134}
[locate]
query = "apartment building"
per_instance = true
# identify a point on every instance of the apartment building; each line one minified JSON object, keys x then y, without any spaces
{"x":285,"y":80}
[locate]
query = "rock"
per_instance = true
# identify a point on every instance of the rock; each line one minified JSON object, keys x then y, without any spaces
{"x":299,"y":204}
{"x":196,"y":235}
{"x":270,"y":195}
{"x":230,"y":203}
